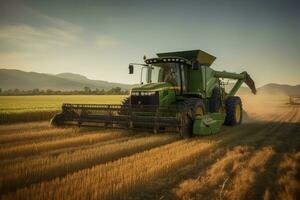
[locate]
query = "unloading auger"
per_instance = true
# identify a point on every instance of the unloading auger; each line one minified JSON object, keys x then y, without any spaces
{"x":178,"y":92}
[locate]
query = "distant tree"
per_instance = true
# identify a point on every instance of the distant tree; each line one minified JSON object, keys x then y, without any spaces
{"x":102,"y":92}
{"x":49,"y":91}
{"x":35,"y":91}
{"x":125,"y":92}
{"x":115,"y":90}
{"x":10,"y":91}
{"x":87,"y":90}
{"x":16,"y":91}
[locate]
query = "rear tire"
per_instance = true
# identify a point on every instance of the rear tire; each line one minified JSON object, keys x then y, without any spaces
{"x":234,"y":111}
{"x":195,"y":108}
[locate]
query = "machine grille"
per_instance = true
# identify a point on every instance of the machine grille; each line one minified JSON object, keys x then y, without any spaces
{"x":145,"y":99}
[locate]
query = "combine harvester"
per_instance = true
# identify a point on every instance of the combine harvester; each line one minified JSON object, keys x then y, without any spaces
{"x":294,"y":99}
{"x":179,"y":92}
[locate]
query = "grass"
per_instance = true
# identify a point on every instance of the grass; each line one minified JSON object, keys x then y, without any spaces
{"x":35,"y":108}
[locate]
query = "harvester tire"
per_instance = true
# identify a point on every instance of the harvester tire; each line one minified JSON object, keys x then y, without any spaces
{"x":215,"y":100}
{"x":192,"y":105}
{"x":234,"y":111}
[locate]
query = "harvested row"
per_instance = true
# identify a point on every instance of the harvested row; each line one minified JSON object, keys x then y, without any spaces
{"x":16,"y":138}
{"x":260,"y":169}
{"x":163,"y":187}
{"x":272,"y":129}
{"x":240,"y":186}
{"x":203,"y":186}
{"x":259,"y":159}
{"x":115,"y":180}
{"x":13,"y":117}
{"x":45,"y":168}
{"x":239,"y":163}
{"x":281,"y":177}
{"x":24,"y":127}
{"x":288,"y":182}
{"x":235,"y":180}
{"x":54,"y":153}
{"x":38,"y":148}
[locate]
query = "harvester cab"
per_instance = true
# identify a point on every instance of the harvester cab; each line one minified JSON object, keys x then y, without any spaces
{"x":178,"y":90}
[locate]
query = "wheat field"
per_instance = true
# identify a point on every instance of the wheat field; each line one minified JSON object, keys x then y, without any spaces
{"x":259,"y":159}
{"x":43,"y":107}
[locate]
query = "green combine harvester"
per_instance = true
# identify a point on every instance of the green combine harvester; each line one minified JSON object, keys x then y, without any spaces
{"x":178,"y":92}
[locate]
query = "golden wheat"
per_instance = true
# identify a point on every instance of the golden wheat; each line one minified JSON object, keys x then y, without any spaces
{"x":202,"y":187}
{"x":37,"y":108}
{"x":40,"y":135}
{"x":46,"y":146}
{"x":249,"y":171}
{"x":16,"y":175}
{"x":23,"y":127}
{"x":259,"y":159}
{"x":289,"y":180}
{"x":117,"y":179}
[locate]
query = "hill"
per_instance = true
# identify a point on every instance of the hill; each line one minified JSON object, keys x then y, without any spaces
{"x":92,"y":83}
{"x":274,"y":88}
{"x":269,"y":89}
{"x":11,"y":79}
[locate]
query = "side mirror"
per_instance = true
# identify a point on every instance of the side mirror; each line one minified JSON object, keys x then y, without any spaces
{"x":195,"y":65}
{"x":130,"y":68}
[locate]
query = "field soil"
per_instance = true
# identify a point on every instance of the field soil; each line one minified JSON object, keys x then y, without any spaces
{"x":259,"y":159}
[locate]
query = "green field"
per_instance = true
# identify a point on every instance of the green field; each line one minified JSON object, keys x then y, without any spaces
{"x":33,"y":108}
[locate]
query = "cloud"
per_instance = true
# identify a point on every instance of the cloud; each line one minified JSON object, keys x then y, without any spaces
{"x":107,"y":41}
{"x":35,"y":38}
{"x":48,"y":32}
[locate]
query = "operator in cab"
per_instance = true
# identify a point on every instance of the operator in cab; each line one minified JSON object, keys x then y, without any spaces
{"x":170,"y":76}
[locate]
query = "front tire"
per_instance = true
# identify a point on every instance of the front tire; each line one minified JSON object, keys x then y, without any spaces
{"x":195,"y":107}
{"x":234,"y":111}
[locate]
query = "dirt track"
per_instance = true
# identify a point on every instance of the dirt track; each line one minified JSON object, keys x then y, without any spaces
{"x":259,"y":159}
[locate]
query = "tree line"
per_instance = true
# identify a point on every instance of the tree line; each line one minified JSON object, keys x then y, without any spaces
{"x":84,"y":91}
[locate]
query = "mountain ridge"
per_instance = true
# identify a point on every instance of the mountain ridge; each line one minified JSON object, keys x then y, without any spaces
{"x":14,"y":78}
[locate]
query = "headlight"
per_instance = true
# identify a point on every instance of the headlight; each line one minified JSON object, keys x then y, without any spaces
{"x":142,"y":93}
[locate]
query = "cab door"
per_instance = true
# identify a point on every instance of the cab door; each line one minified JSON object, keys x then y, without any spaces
{"x":183,"y":77}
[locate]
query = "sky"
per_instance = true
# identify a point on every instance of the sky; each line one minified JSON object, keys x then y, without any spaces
{"x":99,"y":38}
